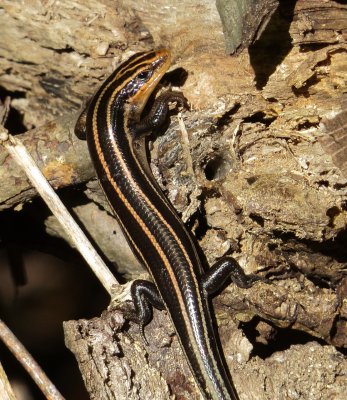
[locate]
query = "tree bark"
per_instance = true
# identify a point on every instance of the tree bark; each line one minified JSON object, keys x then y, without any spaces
{"x":260,"y":174}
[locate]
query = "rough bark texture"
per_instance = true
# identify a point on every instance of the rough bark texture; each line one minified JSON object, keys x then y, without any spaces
{"x":244,"y":21}
{"x":108,"y":354}
{"x":261,"y":175}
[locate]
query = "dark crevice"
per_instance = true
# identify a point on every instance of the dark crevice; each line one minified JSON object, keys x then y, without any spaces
{"x":217,"y":166}
{"x":14,"y":122}
{"x":43,"y":299}
{"x":306,"y":125}
{"x":26,"y":230}
{"x":333,"y":212}
{"x":334,"y":327}
{"x":251,"y":180}
{"x":281,"y":339}
{"x":339,"y":186}
{"x":304,"y":90}
{"x":198,"y":223}
{"x":22,"y":62}
{"x":334,"y":248}
{"x":323,"y":182}
{"x":261,"y":117}
{"x":272,"y":246}
{"x":257,"y":218}
{"x":176,"y":77}
{"x":308,"y":47}
{"x":67,"y":49}
{"x":225,"y":119}
{"x":323,"y":282}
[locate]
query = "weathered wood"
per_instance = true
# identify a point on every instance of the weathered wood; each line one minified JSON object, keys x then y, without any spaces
{"x":99,"y":345}
{"x":261,"y":174}
{"x":56,"y":150}
{"x":244,"y":21}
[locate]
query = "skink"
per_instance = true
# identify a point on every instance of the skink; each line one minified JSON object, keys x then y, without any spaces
{"x":116,"y":135}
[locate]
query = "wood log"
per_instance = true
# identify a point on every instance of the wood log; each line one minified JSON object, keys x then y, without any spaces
{"x":260,"y":174}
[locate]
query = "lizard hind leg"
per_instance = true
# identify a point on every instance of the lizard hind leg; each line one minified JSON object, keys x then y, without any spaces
{"x":145,"y":296}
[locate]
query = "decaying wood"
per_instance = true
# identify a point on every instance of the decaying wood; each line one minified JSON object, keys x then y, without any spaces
{"x":58,"y":153}
{"x":244,"y":21}
{"x":260,"y":174}
{"x":311,"y":371}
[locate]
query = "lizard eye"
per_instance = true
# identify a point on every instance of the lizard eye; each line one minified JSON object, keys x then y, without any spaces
{"x":144,"y":75}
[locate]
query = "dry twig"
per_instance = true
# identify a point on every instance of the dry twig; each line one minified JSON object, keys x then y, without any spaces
{"x":31,"y":366}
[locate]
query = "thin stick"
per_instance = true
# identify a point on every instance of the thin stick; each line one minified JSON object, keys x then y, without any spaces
{"x":23,"y":158}
{"x":5,"y":387}
{"x":25,"y":358}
